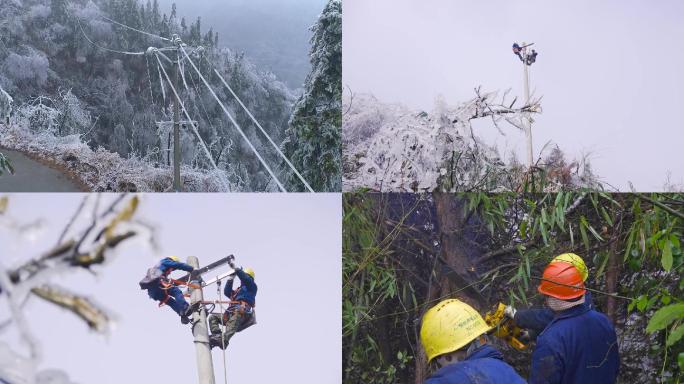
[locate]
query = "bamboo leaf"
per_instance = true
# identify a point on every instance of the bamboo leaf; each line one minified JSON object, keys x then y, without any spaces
{"x":664,"y":317}
{"x":675,"y":335}
{"x":667,"y":256}
{"x":583,"y":231}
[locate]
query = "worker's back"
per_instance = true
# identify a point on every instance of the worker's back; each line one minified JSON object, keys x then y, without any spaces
{"x":484,"y":366}
{"x":579,"y":346}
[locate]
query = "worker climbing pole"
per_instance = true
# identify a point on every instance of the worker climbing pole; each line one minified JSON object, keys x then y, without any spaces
{"x":238,"y":315}
{"x":162,"y":288}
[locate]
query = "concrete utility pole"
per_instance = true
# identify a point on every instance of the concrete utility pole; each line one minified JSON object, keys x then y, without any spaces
{"x":526,"y":120}
{"x":205,"y":365}
{"x":176,"y":136}
{"x":527,"y":57}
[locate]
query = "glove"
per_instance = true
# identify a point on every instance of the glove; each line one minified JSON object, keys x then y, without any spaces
{"x":509,"y":312}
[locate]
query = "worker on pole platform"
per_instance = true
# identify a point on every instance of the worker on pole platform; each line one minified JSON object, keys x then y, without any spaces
{"x":534,"y":320}
{"x":454,"y":337}
{"x":159,"y":288}
{"x":240,"y":312}
{"x":580,"y":344}
{"x":517,"y":50}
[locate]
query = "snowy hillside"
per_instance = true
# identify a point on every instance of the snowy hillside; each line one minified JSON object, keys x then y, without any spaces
{"x":85,"y":64}
{"x":392,"y":148}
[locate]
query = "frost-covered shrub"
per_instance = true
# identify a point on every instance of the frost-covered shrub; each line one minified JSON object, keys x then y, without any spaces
{"x":38,"y":11}
{"x":73,"y":118}
{"x":36,"y":116}
{"x":62,"y":117}
{"x":33,"y":67}
{"x":5,"y":106}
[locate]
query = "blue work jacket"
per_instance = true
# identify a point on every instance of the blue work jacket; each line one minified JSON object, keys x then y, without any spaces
{"x":168,"y":265}
{"x":579,"y":346}
{"x":537,"y":319}
{"x":247,"y":290}
{"x":484,"y":366}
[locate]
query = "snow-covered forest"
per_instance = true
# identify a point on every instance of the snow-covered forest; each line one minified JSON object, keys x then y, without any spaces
{"x":89,"y":96}
{"x":317,"y":117}
{"x":389,"y":147}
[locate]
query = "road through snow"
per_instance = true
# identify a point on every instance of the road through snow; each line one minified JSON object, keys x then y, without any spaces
{"x":32,"y":176}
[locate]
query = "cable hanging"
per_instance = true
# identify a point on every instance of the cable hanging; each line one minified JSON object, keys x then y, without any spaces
{"x":78,"y":20}
{"x":301,"y":178}
{"x":133,"y":29}
{"x":223,"y":339}
{"x":157,"y":52}
{"x":232,"y":120}
{"x":194,"y":129}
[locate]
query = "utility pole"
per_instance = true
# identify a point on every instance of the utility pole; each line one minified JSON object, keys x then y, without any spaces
{"x":205,"y":365}
{"x":528,"y":57}
{"x":176,"y":133}
{"x":526,"y":119}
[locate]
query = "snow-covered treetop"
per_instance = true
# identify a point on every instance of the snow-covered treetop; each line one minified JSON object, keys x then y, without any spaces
{"x":392,"y":148}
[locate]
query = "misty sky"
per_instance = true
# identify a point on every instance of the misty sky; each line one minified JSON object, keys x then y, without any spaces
{"x":610,"y":72}
{"x":273,"y":33}
{"x":291,"y":240}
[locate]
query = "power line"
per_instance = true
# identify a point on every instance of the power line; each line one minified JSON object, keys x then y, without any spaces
{"x":105,"y":48}
{"x":194,"y":129}
{"x":198,"y":95}
{"x":157,"y":53}
{"x":301,"y":178}
{"x":134,"y":29}
{"x":237,"y":126}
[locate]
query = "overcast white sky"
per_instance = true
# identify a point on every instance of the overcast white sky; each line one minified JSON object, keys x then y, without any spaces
{"x":292,"y":241}
{"x":610,"y":72}
{"x":273,"y":33}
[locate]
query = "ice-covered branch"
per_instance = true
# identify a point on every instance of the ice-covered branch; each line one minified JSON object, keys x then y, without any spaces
{"x":84,"y":308}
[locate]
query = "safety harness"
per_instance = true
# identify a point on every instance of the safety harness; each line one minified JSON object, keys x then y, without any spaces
{"x":238,"y":306}
{"x":166,"y":283}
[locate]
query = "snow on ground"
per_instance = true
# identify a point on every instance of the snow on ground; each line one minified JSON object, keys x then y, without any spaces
{"x":101,"y":170}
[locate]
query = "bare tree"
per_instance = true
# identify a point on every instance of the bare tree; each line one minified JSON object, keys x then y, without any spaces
{"x":87,"y":240}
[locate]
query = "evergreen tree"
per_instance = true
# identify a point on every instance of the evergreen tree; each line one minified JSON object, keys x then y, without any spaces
{"x":58,"y":10}
{"x":156,"y":18}
{"x":313,"y":141}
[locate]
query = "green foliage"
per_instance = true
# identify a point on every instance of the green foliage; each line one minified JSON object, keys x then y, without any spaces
{"x":517,"y":235}
{"x":644,"y":229}
{"x":5,"y":165}
{"x":375,"y":342}
{"x":665,"y":316}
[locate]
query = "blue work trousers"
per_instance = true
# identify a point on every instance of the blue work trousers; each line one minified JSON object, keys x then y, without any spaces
{"x":176,"y":301}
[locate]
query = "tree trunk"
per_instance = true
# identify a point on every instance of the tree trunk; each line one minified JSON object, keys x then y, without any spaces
{"x":457,"y":272}
{"x":453,"y":272}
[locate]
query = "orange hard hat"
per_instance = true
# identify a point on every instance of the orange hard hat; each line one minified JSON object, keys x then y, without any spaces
{"x":558,"y":273}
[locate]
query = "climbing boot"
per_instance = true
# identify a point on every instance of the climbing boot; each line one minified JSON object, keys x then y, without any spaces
{"x":190,"y":309}
{"x":216,"y":341}
{"x":185,"y":319}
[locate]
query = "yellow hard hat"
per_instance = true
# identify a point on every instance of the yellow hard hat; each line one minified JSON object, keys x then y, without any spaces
{"x":174,"y":258}
{"x":250,"y":272}
{"x":574,"y":260}
{"x":449,"y":326}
